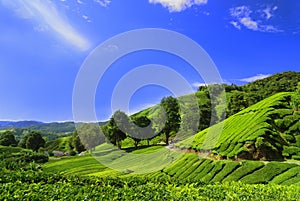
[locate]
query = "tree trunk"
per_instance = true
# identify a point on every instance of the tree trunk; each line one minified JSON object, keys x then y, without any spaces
{"x":135,"y":144}
{"x":167,"y":139}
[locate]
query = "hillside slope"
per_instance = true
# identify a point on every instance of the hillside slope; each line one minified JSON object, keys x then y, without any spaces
{"x":238,"y":97}
{"x":268,"y":130}
{"x":194,"y":168}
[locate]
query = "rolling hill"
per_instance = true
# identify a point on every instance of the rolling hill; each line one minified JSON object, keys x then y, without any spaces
{"x":190,"y":167}
{"x":18,"y":124}
{"x":268,"y":130}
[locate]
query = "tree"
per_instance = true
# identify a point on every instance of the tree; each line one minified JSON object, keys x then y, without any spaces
{"x":112,"y":131}
{"x":8,"y":139}
{"x":173,"y":119}
{"x":33,"y":140}
{"x":296,"y":99}
{"x":237,"y":102}
{"x":76,"y":142}
{"x":143,"y":131}
{"x":90,"y":136}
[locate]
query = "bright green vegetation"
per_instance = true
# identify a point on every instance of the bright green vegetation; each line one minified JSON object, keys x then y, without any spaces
{"x":238,"y":99}
{"x":14,"y":158}
{"x":62,"y":144}
{"x":36,"y":185}
{"x":81,"y":165}
{"x":193,"y":168}
{"x":129,"y":163}
{"x":268,"y":130}
{"x":190,"y":167}
{"x":290,"y":176}
{"x":268,"y":172}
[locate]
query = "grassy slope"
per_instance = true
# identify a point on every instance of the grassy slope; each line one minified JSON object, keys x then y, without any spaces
{"x":190,"y":167}
{"x":266,"y":130}
{"x":140,"y":161}
{"x":61,"y":144}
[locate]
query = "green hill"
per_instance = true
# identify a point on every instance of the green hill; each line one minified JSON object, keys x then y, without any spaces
{"x":60,"y":144}
{"x":238,"y":97}
{"x":190,"y":167}
{"x":268,"y":130}
{"x":193,"y":168}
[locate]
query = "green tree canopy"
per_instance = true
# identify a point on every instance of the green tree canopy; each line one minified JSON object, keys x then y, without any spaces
{"x":296,"y":99}
{"x":33,"y":140}
{"x":90,"y":135}
{"x":143,"y":131}
{"x":76,"y":142}
{"x":7,"y":138}
{"x":173,"y":119}
{"x":112,"y":131}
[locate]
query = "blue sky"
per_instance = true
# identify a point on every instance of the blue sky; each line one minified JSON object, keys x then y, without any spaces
{"x":44,"y":43}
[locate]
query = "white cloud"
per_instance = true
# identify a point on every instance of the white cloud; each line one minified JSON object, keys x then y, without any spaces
{"x":178,"y":5}
{"x":199,"y":84}
{"x":268,"y":12}
{"x":236,"y":24}
{"x":244,"y":16}
{"x":86,"y":18}
{"x":47,"y":15}
{"x":249,"y":23}
{"x":79,"y":2}
{"x":103,"y":3}
{"x":254,"y":78}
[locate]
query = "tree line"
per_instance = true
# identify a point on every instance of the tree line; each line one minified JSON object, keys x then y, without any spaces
{"x":32,"y":140}
{"x":138,"y":128}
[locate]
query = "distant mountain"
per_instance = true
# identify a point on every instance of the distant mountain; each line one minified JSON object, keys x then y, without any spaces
{"x":57,"y":127}
{"x":18,"y":124}
{"x":51,"y":130}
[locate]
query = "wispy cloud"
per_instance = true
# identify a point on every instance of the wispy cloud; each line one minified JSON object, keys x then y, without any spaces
{"x":254,"y":78}
{"x":47,"y":15}
{"x":86,"y":18}
{"x":79,"y":2}
{"x":236,"y":25}
{"x":178,"y":5}
{"x":103,"y":3}
{"x":243,"y":16}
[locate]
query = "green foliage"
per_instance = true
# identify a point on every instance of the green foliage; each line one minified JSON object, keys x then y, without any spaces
{"x":267,"y":130}
{"x":80,"y":165}
{"x":7,"y":138}
{"x":33,"y":140}
{"x":296,"y":99}
{"x":14,"y":158}
{"x":90,"y":136}
{"x":76,"y":142}
{"x":247,"y":167}
{"x":229,"y":167}
{"x":31,"y":185}
{"x":267,"y":173}
{"x":173,"y":119}
{"x":61,"y":144}
{"x":111,"y":130}
{"x":141,"y":130}
{"x":281,"y":82}
{"x":287,"y":175}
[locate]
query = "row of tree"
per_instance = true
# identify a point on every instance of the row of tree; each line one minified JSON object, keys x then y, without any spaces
{"x":138,"y":128}
{"x":32,"y":140}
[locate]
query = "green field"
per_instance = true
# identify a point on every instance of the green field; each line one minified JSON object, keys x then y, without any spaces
{"x":32,"y":185}
{"x":189,"y":167}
